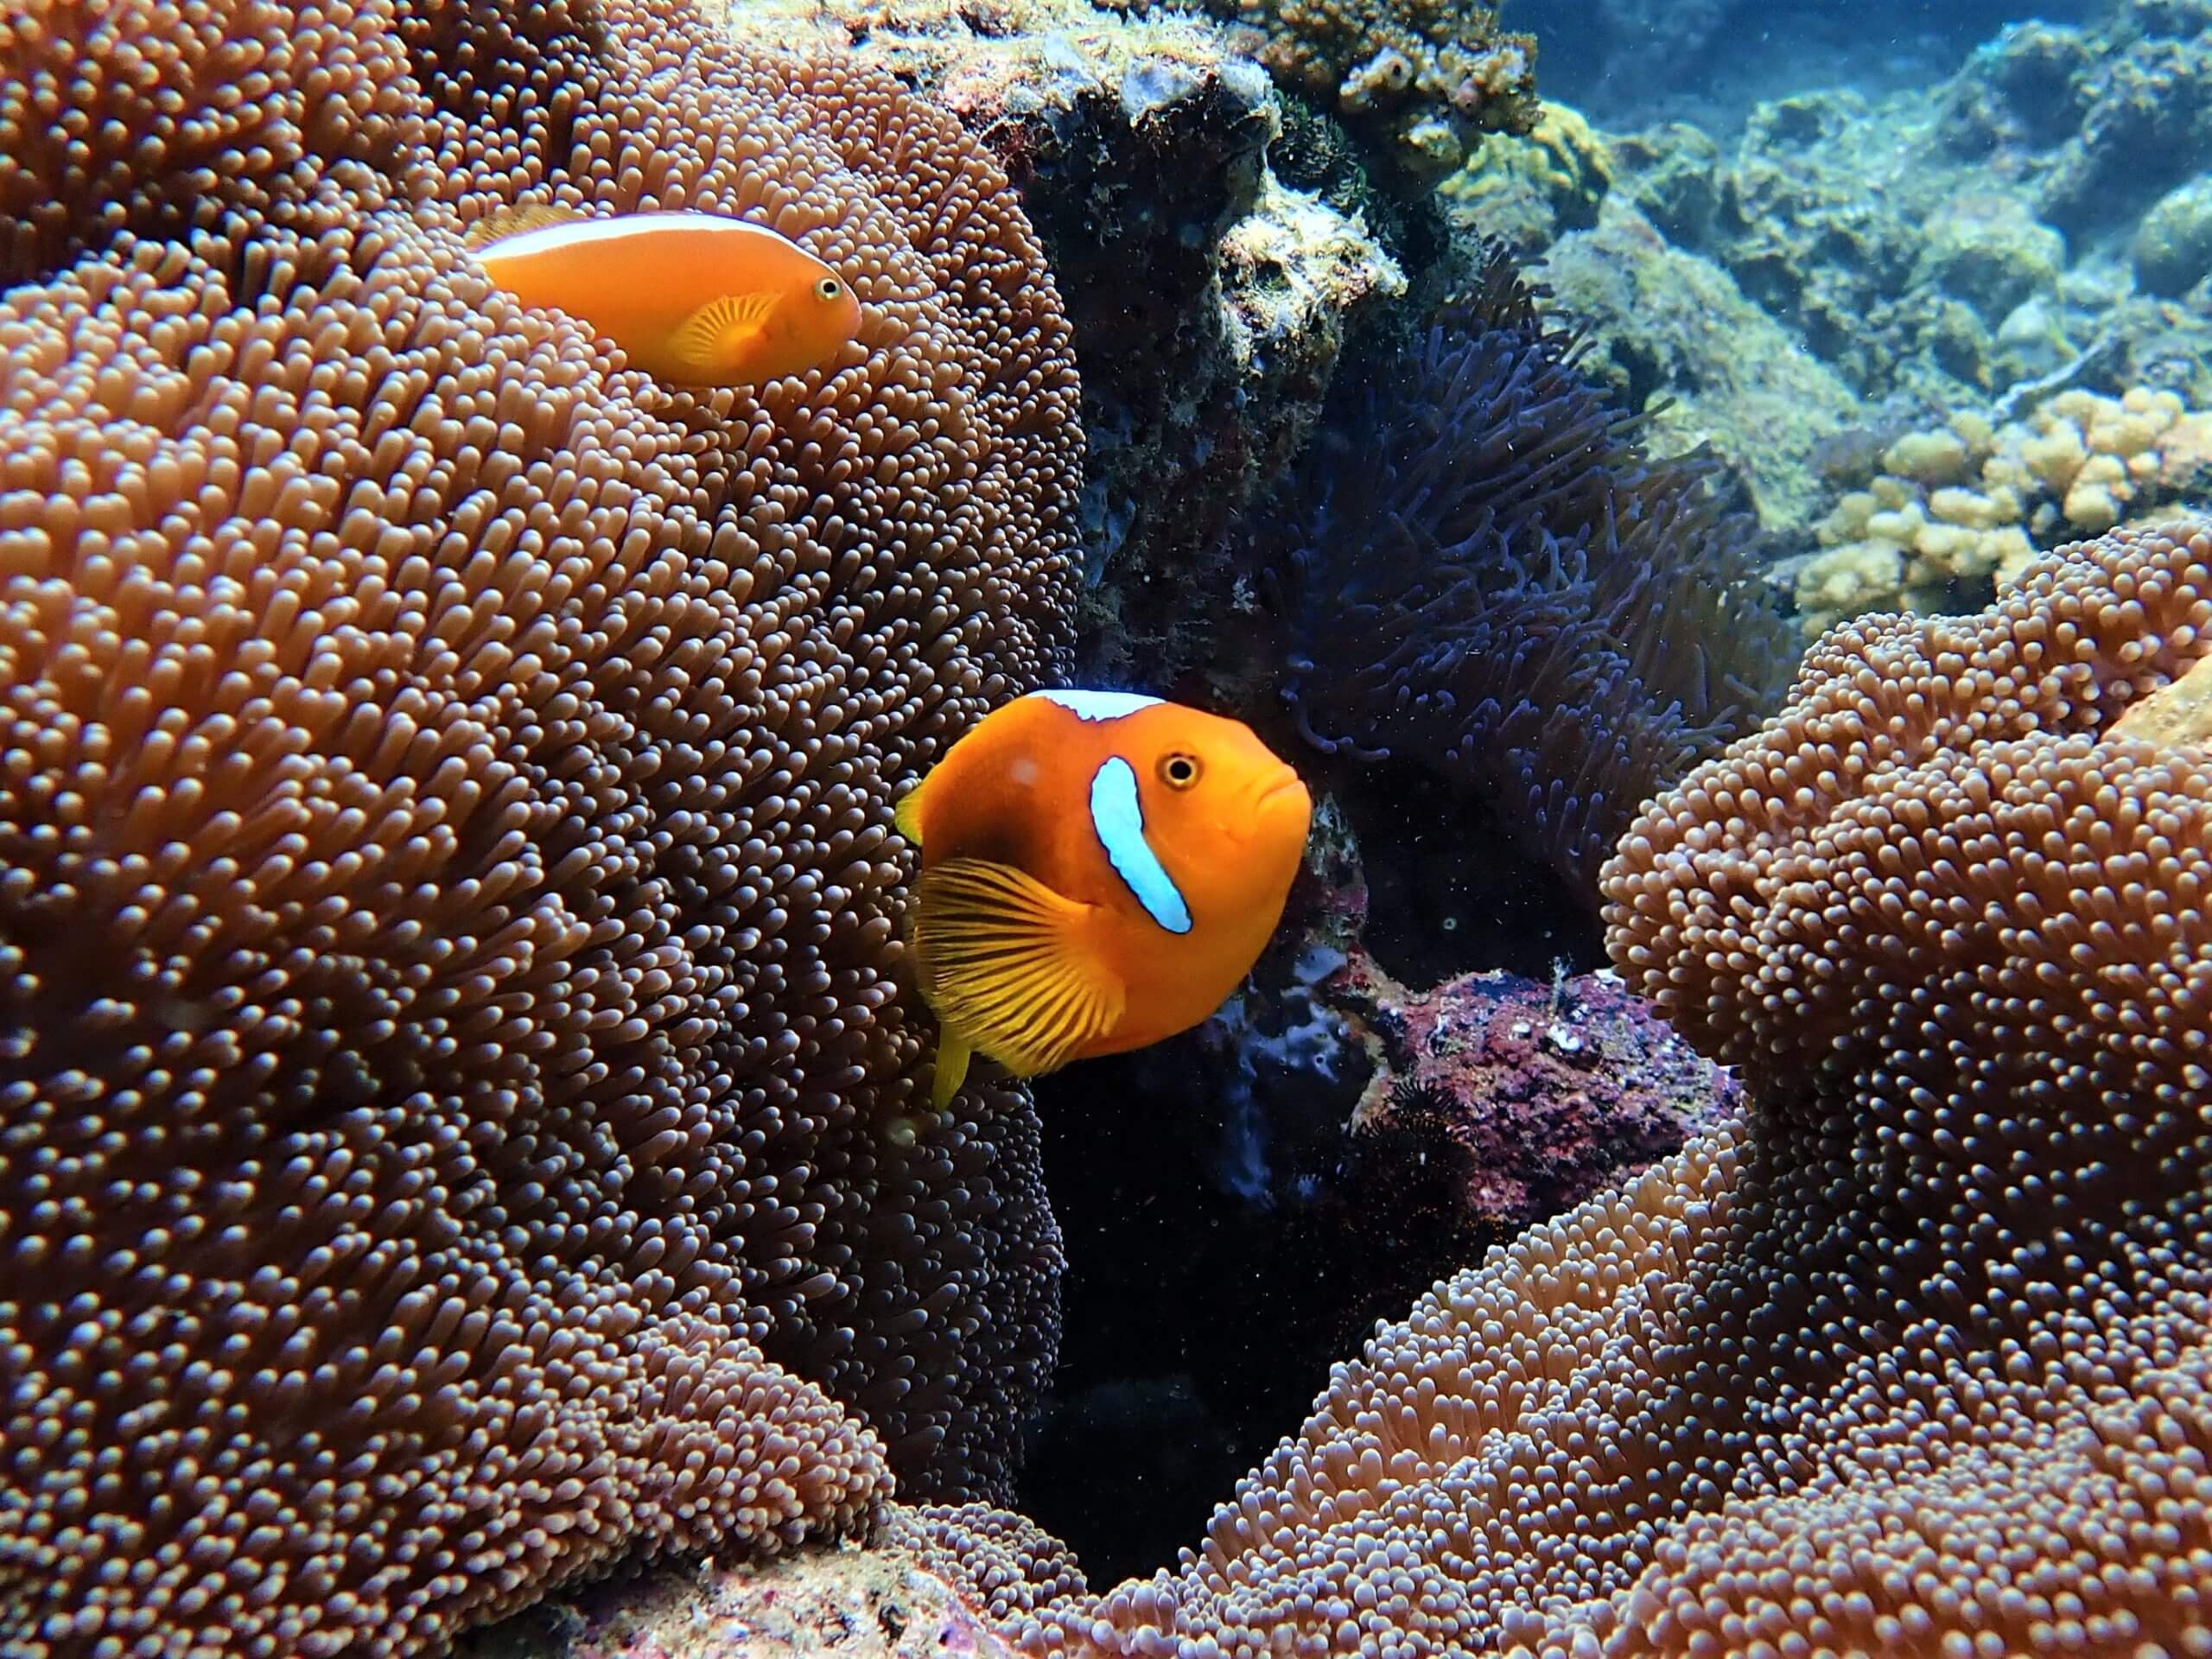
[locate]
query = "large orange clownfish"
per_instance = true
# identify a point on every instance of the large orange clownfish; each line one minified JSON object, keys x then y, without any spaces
{"x":1099,"y":871}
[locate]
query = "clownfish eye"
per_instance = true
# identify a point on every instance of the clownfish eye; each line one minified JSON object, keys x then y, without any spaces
{"x":829,"y":287}
{"x":1179,"y":770}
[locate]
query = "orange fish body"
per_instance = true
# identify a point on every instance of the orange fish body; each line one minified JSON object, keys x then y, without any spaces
{"x":1099,"y":871}
{"x":694,"y":299}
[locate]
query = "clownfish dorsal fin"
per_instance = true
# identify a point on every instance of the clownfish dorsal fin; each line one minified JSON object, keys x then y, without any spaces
{"x":1005,"y":963}
{"x":519,"y":220}
{"x":720,"y":329}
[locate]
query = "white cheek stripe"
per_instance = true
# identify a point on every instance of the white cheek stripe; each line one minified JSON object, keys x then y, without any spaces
{"x":1118,"y":819}
{"x":1098,"y":705}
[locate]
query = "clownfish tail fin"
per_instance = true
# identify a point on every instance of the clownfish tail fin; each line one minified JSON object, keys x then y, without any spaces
{"x":907,"y":816}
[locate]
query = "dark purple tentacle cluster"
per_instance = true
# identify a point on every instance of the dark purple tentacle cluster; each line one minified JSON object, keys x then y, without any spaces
{"x":1482,"y":571}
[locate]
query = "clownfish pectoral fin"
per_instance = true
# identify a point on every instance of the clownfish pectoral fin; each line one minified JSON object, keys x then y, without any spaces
{"x":1009,"y":966}
{"x":951,"y":1069}
{"x":719,"y":331}
{"x":502,"y":223}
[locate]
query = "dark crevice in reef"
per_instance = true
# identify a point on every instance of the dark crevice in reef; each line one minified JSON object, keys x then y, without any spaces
{"x":1215,"y":1272}
{"x":1229,"y":1238}
{"x":1450,"y":891}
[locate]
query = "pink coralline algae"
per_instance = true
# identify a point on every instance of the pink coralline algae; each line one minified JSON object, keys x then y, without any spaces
{"x":1543,"y":1094}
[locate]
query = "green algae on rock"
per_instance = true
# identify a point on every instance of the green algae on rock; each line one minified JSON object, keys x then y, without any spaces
{"x":2173,"y":249}
{"x":1672,"y":332}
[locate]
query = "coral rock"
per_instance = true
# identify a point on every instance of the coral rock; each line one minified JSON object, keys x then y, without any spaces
{"x":2172,"y":249}
{"x":1540,"y":1094}
{"x":1422,"y":79}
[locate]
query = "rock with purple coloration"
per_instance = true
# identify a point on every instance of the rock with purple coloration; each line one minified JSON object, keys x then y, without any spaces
{"x":1538,"y":1095}
{"x":851,"y":1603}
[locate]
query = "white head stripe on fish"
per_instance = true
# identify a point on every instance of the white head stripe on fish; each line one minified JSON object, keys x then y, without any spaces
{"x":1098,"y":705}
{"x":1118,"y":819}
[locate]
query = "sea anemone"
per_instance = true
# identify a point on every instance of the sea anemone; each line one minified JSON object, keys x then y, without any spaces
{"x":1482,"y":572}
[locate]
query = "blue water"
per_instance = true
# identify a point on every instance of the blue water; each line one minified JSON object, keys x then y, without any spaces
{"x":1630,"y":62}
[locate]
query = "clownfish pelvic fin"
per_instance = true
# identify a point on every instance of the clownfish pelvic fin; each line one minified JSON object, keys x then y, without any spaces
{"x":952,"y":1056}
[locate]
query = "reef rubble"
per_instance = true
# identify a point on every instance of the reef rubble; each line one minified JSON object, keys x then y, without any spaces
{"x":850,"y":1601}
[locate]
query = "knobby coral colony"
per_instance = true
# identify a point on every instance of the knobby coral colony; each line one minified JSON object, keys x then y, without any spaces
{"x":1915,"y":1356}
{"x":1423,"y":79}
{"x":1484,"y":573}
{"x":458,"y":1126}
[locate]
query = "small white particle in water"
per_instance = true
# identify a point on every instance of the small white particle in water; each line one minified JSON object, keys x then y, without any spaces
{"x":1023,"y":772}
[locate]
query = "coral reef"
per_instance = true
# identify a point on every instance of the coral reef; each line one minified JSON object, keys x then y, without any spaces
{"x":1956,"y":508}
{"x":1916,"y":1356}
{"x":1537,"y":1095}
{"x":1725,"y":56}
{"x":1420,"y":81}
{"x":1214,"y":299}
{"x":2143,"y":90}
{"x":1902,"y":253}
{"x":1672,"y":335}
{"x":1485,"y":574}
{"x":1839,"y":218}
{"x":459,"y":1123}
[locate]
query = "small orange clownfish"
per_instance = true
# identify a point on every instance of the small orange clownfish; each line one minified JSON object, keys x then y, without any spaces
{"x":1099,"y":871}
{"x":694,"y":299}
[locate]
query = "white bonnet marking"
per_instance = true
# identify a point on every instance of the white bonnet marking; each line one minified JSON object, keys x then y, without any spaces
{"x":1098,"y":705}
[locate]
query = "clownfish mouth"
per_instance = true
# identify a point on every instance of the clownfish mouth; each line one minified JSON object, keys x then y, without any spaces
{"x":1275,"y":801}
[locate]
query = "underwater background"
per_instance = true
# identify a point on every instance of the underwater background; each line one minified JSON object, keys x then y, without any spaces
{"x":1708,"y":496}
